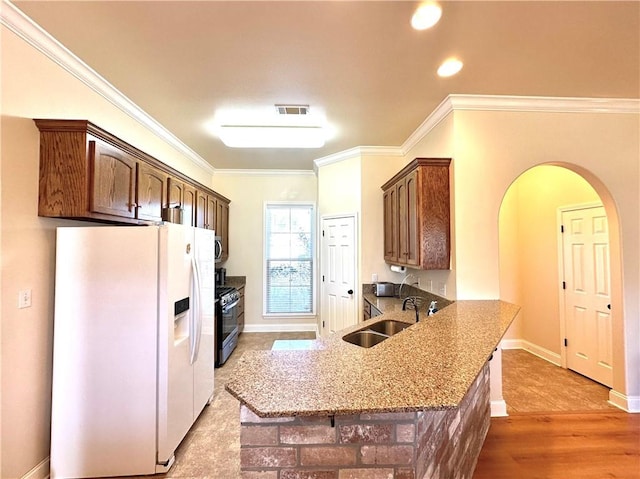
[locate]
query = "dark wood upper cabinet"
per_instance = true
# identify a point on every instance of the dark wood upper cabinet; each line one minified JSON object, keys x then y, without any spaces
{"x":175,"y":193}
{"x":87,"y":173}
{"x":211,"y":212}
{"x":151,"y":196}
{"x":417,"y":230}
{"x":204,"y":213}
{"x":222,"y":227}
{"x":189,"y":206}
{"x":113,"y":180}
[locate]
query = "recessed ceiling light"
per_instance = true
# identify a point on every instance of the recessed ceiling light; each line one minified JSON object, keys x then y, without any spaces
{"x":450,"y":67}
{"x":426,"y":16}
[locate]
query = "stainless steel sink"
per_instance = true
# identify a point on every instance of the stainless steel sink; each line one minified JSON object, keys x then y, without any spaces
{"x":365,"y":339}
{"x":389,"y":327}
{"x":375,"y":333}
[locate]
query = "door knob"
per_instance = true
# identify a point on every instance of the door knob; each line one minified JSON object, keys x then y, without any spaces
{"x":350,"y":291}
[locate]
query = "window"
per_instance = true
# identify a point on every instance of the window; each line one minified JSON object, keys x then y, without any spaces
{"x":289,"y":255}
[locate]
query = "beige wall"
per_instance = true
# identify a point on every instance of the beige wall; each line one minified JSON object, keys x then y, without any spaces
{"x":439,"y":143}
{"x":248,"y":193}
{"x":353,"y":186}
{"x":340,"y":192}
{"x":510,"y":255}
{"x":35,"y":87}
{"x":603,"y":147}
{"x":376,"y":171}
{"x":529,"y":248}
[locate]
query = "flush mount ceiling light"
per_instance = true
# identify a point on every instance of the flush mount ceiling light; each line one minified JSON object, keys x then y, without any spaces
{"x":286,"y":126}
{"x":264,"y":136}
{"x":426,"y":16}
{"x":450,"y":67}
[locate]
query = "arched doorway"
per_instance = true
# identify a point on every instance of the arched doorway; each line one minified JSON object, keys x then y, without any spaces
{"x":530,"y":257}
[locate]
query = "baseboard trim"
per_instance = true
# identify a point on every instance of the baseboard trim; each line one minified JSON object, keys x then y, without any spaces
{"x":41,"y":471}
{"x":499,"y":408}
{"x":533,"y":349}
{"x":626,"y":403}
{"x":281,"y":328}
{"x":511,"y":344}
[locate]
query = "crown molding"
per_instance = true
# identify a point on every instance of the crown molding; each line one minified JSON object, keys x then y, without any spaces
{"x":29,"y":31}
{"x":433,"y":120}
{"x":356,"y":152}
{"x":543,"y":104}
{"x":265,"y":172}
{"x":492,"y":103}
{"x":518,"y":104}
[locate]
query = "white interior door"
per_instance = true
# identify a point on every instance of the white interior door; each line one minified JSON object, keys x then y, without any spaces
{"x":338,"y":262}
{"x":587,"y":295}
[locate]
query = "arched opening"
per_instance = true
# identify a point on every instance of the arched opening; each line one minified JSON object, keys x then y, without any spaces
{"x":531,"y":270}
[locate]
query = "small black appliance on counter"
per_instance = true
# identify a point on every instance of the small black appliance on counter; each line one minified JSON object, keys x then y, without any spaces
{"x":221,"y":276}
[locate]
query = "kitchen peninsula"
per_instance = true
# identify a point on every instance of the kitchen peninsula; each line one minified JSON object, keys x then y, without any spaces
{"x":416,"y":405}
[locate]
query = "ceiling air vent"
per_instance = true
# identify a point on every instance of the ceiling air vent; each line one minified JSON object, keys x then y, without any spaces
{"x":292,"y":109}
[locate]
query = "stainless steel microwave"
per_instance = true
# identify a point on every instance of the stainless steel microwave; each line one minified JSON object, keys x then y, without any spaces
{"x":218,"y":249}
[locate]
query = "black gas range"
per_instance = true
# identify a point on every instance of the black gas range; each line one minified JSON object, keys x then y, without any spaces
{"x":226,"y":322}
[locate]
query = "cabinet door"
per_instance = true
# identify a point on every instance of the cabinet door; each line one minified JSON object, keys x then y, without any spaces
{"x":113,"y":179}
{"x":390,"y":225}
{"x":175,"y":189}
{"x":189,"y":204}
{"x":403,"y":230}
{"x":222,"y":227}
{"x":211,"y":213}
{"x":413,"y":234}
{"x":201,"y":209}
{"x":151,"y":192}
{"x":241,"y":310}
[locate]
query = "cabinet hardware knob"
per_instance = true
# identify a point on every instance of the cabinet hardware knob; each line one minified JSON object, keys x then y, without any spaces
{"x":350,"y":291}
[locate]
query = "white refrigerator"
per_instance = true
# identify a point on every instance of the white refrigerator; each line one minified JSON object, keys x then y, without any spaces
{"x":133,"y":354}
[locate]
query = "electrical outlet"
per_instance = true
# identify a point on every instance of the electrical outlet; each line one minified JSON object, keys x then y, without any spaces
{"x":24,"y":299}
{"x":442,"y":289}
{"x":430,"y":285}
{"x":374,"y":278}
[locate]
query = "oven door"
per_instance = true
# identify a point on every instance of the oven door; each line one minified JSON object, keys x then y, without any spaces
{"x":226,"y":331}
{"x":229,"y":319}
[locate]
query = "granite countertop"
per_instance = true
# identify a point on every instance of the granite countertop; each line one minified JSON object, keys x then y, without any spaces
{"x":428,"y":366}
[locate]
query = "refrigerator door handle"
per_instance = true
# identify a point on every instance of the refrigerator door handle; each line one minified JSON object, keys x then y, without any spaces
{"x":196,"y":321}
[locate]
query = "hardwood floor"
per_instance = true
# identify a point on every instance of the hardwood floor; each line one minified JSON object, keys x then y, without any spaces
{"x":561,"y":426}
{"x":591,"y":445}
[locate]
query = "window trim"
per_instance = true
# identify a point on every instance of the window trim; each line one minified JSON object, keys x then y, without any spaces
{"x":314,"y":256}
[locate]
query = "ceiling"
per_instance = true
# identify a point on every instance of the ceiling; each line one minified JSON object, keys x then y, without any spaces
{"x":358,"y":62}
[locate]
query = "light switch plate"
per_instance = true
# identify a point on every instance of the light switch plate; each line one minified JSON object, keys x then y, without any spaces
{"x":24,"y":298}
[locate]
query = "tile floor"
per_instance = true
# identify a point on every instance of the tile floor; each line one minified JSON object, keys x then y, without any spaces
{"x":531,"y":384}
{"x":211,"y":450}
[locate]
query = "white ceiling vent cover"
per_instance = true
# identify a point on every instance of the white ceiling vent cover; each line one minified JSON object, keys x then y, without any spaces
{"x":292,"y":109}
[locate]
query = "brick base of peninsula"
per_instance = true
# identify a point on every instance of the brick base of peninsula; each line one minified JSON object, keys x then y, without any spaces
{"x":434,"y":444}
